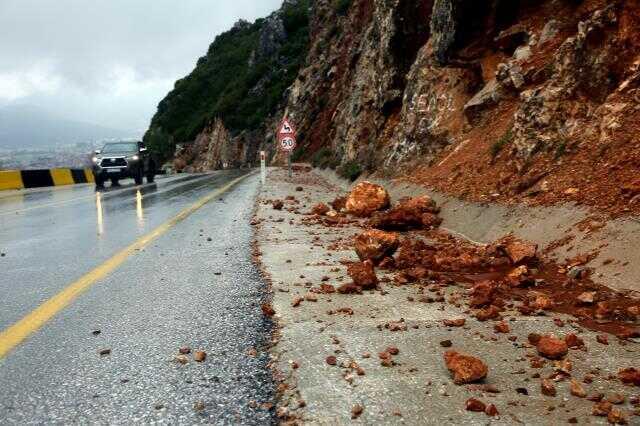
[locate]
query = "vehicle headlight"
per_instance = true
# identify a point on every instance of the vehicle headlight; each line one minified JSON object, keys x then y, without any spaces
{"x":94,"y":159}
{"x":135,"y":158}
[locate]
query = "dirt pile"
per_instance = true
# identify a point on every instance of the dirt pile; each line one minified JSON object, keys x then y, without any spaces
{"x":508,"y":274}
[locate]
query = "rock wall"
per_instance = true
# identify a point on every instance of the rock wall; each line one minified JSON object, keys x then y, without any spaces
{"x":486,"y":99}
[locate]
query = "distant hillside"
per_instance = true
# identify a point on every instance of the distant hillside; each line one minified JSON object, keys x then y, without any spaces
{"x":26,"y":126}
{"x":242,"y":79}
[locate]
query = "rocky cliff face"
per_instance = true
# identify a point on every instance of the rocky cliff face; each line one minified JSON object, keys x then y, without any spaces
{"x":486,"y":99}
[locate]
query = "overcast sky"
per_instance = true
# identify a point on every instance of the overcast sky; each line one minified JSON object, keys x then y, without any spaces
{"x":108,"y":61}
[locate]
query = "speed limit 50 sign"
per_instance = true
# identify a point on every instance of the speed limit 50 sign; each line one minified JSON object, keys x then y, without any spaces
{"x":287,"y":143}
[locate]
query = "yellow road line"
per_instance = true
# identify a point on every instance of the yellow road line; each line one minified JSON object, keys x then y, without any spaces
{"x":18,"y":332}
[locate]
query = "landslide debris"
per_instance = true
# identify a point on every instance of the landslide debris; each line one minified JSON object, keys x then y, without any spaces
{"x":465,"y":368}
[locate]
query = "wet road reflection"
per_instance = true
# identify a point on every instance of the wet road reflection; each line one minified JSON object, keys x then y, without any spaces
{"x":52,"y":239}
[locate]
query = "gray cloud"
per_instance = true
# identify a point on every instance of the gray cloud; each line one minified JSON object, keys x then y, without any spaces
{"x":108,"y":61}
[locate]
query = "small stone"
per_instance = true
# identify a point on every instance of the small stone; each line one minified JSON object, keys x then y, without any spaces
{"x":551,"y":347}
{"x":199,"y":406}
{"x":199,"y":356}
{"x":502,"y":327}
{"x":104,"y":352}
{"x":617,"y":417}
{"x":616,"y":398}
{"x":458,"y":322}
{"x":630,"y":376}
{"x":184,"y":350}
{"x":577,"y":389}
{"x":331,"y":360}
{"x":491,"y":410}
{"x":393,"y":350}
{"x":181,"y":359}
{"x":356,"y":411}
{"x":465,"y":368}
{"x":96,"y":332}
{"x":446,"y":343}
{"x":601,"y":408}
{"x":587,"y":298}
{"x":603,"y":339}
{"x":547,"y":387}
{"x":476,"y":405}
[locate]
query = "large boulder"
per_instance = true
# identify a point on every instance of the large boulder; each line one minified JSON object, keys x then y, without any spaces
{"x":375,"y":245}
{"x":366,"y":198}
{"x":418,"y":212}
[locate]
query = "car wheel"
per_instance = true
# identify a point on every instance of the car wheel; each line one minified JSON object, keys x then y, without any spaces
{"x":99,"y":182}
{"x":114,"y":182}
{"x":138,"y":177}
{"x":151,"y":173}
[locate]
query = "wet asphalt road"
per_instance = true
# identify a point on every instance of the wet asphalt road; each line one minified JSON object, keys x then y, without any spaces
{"x":181,"y":290}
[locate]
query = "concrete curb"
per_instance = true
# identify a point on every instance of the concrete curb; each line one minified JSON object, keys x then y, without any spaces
{"x":22,"y":179}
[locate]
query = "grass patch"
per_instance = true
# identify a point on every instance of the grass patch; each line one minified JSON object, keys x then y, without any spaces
{"x":561,"y":149}
{"x":499,"y":145}
{"x":350,"y":170}
{"x":322,"y":158}
{"x":341,"y":6}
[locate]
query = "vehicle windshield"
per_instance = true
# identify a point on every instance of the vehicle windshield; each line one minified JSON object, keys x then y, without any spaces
{"x":112,"y":148}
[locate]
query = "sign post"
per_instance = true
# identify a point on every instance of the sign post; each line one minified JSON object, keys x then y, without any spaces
{"x":263,"y":167}
{"x":287,"y":140}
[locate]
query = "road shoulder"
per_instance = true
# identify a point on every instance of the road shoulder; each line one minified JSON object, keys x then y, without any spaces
{"x":299,"y":254}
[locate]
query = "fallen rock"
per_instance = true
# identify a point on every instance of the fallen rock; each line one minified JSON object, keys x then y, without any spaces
{"x":297,"y":301}
{"x":516,"y":250}
{"x":573,"y":341}
{"x":409,"y":213}
{"x":199,"y":356}
{"x":482,"y":294}
{"x":617,"y":417}
{"x":577,"y":389}
{"x":465,"y":368}
{"x":502,"y":327}
{"x":491,"y":410}
{"x":366,"y":198}
{"x":320,"y":209}
{"x":587,"y":298}
{"x":277,"y":204}
{"x":184,"y":350}
{"x":331,"y":360}
{"x":488,"y":313}
{"x":267,"y":309}
{"x":105,"y":352}
{"x":363,"y":275}
{"x":339,"y":203}
{"x":551,"y":347}
{"x":181,"y":359}
{"x":356,"y":411}
{"x":547,"y":387}
{"x":375,"y":245}
{"x":458,"y":322}
{"x":630,"y":376}
{"x":476,"y":405}
{"x":601,"y":408}
{"x":603,"y":339}
{"x":616,"y":398}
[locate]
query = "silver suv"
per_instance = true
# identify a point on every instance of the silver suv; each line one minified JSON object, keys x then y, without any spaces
{"x":121,"y":160}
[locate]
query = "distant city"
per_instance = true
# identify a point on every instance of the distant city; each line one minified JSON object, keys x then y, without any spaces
{"x":73,"y":156}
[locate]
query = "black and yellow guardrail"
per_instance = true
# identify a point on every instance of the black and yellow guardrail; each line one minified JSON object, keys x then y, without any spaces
{"x":20,"y":179}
